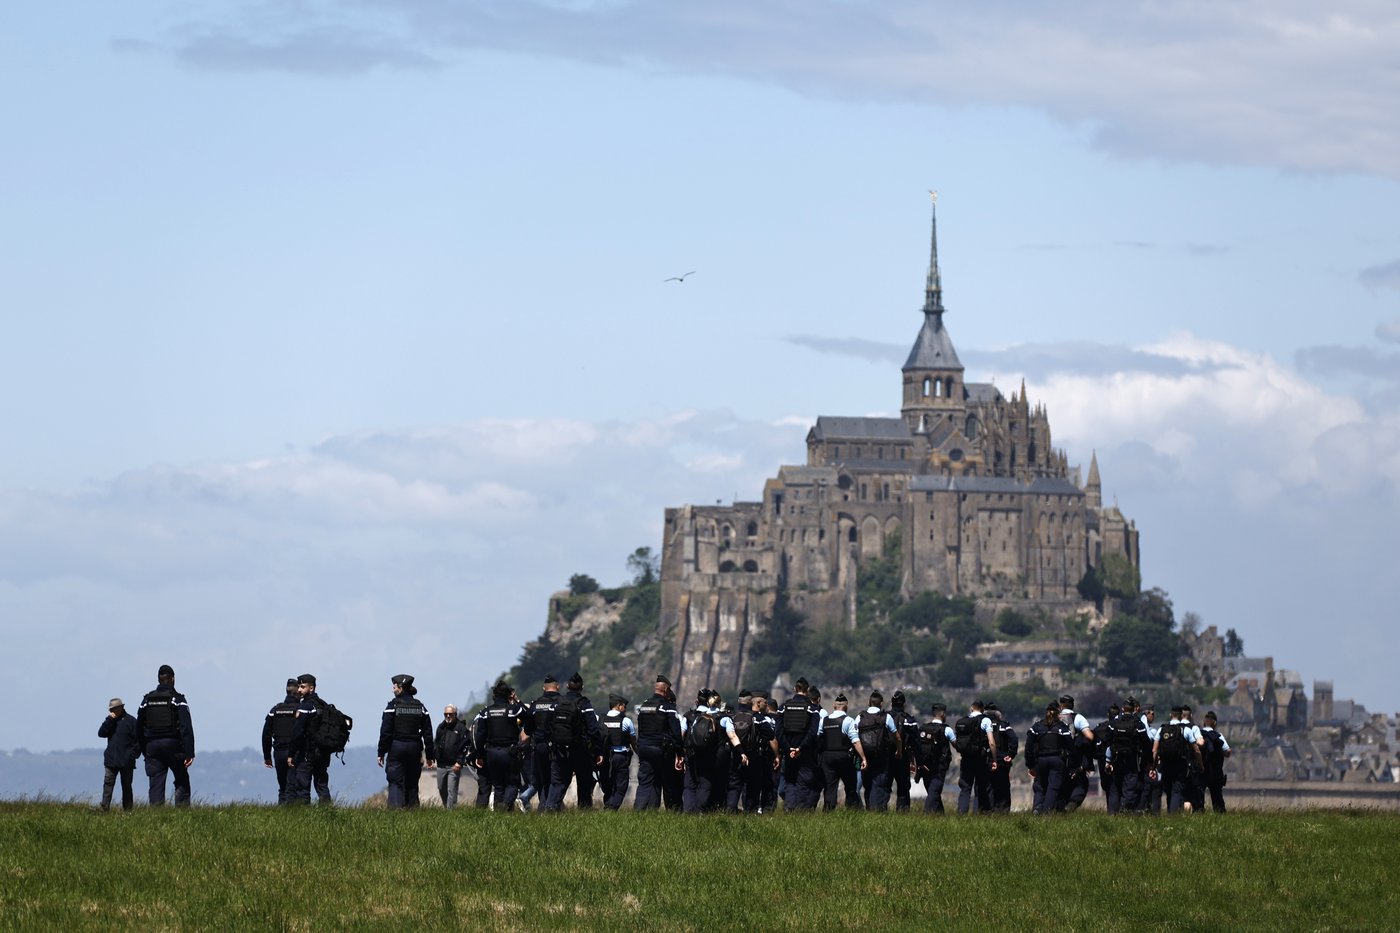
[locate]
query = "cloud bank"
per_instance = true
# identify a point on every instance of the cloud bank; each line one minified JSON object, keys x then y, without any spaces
{"x":1290,"y":84}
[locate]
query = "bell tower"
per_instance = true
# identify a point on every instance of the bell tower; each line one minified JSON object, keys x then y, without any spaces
{"x":933,"y":374}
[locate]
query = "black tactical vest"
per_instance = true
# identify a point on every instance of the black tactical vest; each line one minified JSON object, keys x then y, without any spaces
{"x":544,"y":712}
{"x":833,"y":738}
{"x":502,"y":728}
{"x":284,"y":721}
{"x":797,"y":717}
{"x":408,"y":719}
{"x":612,"y":722}
{"x":651,"y":719}
{"x":162,"y":719}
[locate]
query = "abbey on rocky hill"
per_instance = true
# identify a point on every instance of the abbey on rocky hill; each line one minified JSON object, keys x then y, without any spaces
{"x":969,"y":481}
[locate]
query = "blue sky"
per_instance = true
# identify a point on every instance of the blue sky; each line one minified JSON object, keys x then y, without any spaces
{"x":336,"y":336}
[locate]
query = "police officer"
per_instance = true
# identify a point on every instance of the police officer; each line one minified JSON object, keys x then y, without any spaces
{"x":701,"y":730}
{"x":747,"y":780}
{"x":538,"y":716}
{"x":974,"y":741}
{"x":902,"y":764}
{"x":166,"y":736}
{"x":878,"y":736}
{"x":1127,"y":758}
{"x":841,"y":755}
{"x":119,"y":757}
{"x":1172,"y":753}
{"x":1003,"y":753}
{"x":448,"y":742}
{"x":278,"y":726}
{"x":1151,"y":777}
{"x":1048,"y":747}
{"x":935,"y":754}
{"x":405,"y":739}
{"x":620,"y":738}
{"x":575,"y":747}
{"x":658,"y":747}
{"x":309,"y":764}
{"x":1215,"y":751}
{"x":1080,"y":756}
{"x":498,"y":732}
{"x":797,"y":744}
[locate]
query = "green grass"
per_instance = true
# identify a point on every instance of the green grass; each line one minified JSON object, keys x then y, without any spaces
{"x":67,"y":867}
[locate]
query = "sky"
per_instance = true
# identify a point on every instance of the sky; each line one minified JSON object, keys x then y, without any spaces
{"x":336,"y":335}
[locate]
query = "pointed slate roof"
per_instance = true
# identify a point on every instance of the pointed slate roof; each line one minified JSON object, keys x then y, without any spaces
{"x":933,"y":349}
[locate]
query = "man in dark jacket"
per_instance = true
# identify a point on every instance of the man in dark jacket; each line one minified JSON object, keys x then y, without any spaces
{"x":498,"y":732}
{"x":309,"y":764}
{"x":405,"y":739}
{"x":452,"y":734}
{"x":278,"y":726}
{"x":538,"y":716}
{"x":166,"y":735}
{"x":575,"y":747}
{"x":658,"y":746}
{"x":119,"y":760}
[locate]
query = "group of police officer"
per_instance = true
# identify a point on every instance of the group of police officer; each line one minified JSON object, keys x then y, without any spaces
{"x":714,"y":755}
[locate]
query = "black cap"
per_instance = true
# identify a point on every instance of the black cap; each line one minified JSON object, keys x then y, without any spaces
{"x":576,"y":681}
{"x":703,"y":696}
{"x":551,"y":679}
{"x":614,"y":699}
{"x":663,"y":679}
{"x":291,"y":683}
{"x":1067,"y":700}
{"x":840,"y":698}
{"x":307,"y":679}
{"x":897,"y":698}
{"x":402,"y":680}
{"x":165,"y":671}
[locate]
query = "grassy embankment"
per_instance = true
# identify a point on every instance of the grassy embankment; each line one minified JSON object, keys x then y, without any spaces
{"x":66,"y":867}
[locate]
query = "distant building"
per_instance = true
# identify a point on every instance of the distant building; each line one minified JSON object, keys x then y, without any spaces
{"x":1015,"y":667}
{"x":967,"y":481}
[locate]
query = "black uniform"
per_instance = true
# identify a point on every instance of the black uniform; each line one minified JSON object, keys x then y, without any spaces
{"x":908,"y":728}
{"x":658,"y":744}
{"x":310,"y":764}
{"x":538,"y":716}
{"x":405,"y":739}
{"x":1213,"y":756}
{"x":838,"y":765}
{"x":496,"y":731}
{"x":278,"y":726}
{"x":166,"y":736}
{"x":797,"y":743}
{"x":934,"y":755}
{"x":1003,"y":755}
{"x":574,"y":748}
{"x":616,"y":773}
{"x":1127,"y":754}
{"x":1048,"y":749}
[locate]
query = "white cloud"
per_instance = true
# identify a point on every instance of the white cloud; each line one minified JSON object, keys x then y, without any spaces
{"x":1276,"y":82}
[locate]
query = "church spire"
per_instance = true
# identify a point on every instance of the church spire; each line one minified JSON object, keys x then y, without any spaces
{"x":1093,"y":489}
{"x":933,"y":289}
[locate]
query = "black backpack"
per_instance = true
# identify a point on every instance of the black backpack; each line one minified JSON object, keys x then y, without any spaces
{"x":1125,"y":739}
{"x":874,"y":737}
{"x":746,"y":728}
{"x":566,"y":725}
{"x":969,"y":737}
{"x":1214,"y":752}
{"x":330,"y":729}
{"x":702,"y":735}
{"x":935,"y":752}
{"x":1171,"y":742}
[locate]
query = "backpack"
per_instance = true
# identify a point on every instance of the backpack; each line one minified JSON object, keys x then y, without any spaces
{"x":1005,"y":737}
{"x":1171,"y":742}
{"x":1214,"y":752}
{"x":566,"y":725}
{"x":330,"y":729}
{"x":935,"y":752}
{"x":969,"y":735}
{"x":702,"y":736}
{"x":746,"y":728}
{"x":1124,"y":738}
{"x":874,"y":737}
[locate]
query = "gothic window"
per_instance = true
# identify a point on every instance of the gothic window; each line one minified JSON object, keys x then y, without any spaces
{"x":753,"y":529}
{"x":937,"y":388}
{"x":727,"y":567}
{"x":751,"y":566}
{"x":948,"y":388}
{"x":928,"y":387}
{"x":971,"y":431}
{"x":923,"y":424}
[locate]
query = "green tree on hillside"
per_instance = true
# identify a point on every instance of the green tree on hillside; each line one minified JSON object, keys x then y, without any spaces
{"x":644,"y":566}
{"x":1140,"y":650}
{"x":581,"y":584}
{"x":774,"y":649}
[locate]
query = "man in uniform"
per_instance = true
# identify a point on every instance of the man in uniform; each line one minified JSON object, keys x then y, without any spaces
{"x":452,"y":734}
{"x":620,"y":736}
{"x":538,"y":715}
{"x":973,"y":741}
{"x":878,"y":738}
{"x":575,"y":747}
{"x":1003,"y":753}
{"x":658,"y":746}
{"x":902,"y":764}
{"x":498,"y":733}
{"x":1127,"y":759}
{"x":405,"y":739}
{"x":165,"y":733}
{"x":1081,"y":760}
{"x":797,"y":743}
{"x":308,"y":764}
{"x":935,"y":753}
{"x":278,"y":726}
{"x":1215,"y":751}
{"x":839,"y":749}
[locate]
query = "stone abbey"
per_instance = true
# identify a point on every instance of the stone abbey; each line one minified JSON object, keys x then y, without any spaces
{"x":967,"y":480}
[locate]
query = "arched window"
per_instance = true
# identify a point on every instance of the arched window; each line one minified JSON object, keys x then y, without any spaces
{"x":753,"y":529}
{"x":928,"y":387}
{"x":948,"y":387}
{"x":971,"y":431}
{"x":727,"y":567}
{"x":751,"y":566}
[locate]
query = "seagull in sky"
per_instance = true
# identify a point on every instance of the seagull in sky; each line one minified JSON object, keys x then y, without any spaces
{"x":680,"y":278}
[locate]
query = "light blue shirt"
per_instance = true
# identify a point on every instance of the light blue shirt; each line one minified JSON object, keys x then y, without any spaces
{"x":627,"y":729}
{"x":947,"y":730}
{"x":889,"y":720}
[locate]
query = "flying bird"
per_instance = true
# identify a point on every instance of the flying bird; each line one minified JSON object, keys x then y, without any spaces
{"x":680,"y":278}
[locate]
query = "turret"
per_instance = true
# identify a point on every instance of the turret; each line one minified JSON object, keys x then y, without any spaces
{"x":933,"y":374}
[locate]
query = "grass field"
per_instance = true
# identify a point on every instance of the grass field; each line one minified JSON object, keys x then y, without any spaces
{"x":66,"y":867}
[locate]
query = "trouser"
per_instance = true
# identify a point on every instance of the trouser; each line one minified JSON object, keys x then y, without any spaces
{"x":537,"y":773}
{"x":746,"y":783}
{"x":877,"y":779}
{"x":798,"y":778}
{"x":565,"y":766}
{"x":284,"y":773}
{"x":501,"y":777}
{"x":402,"y":768}
{"x":1216,"y":786}
{"x":109,"y":782}
{"x":653,"y":766}
{"x":974,"y":790}
{"x":1049,"y":778}
{"x":1126,"y":790}
{"x":1076,"y":789}
{"x":903,"y":780}
{"x":167,"y":756}
{"x":933,"y":783}
{"x":448,"y":781}
{"x":1197,"y":785}
{"x":701,"y":775}
{"x":999,"y":787}
{"x":770,"y":789}
{"x":617,"y":778}
{"x":1176,"y":785}
{"x":839,"y":771}
{"x":309,"y":768}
